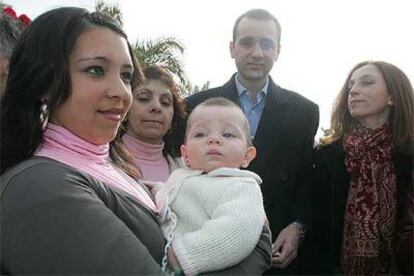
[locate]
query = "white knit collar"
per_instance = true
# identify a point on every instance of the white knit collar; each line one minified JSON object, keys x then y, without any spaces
{"x":224,"y":171}
{"x":235,"y":172}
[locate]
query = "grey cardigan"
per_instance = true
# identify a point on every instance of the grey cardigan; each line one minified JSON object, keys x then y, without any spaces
{"x":56,"y":220}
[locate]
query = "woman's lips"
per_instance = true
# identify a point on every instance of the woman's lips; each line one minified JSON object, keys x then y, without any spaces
{"x":113,"y":114}
{"x":356,"y":101}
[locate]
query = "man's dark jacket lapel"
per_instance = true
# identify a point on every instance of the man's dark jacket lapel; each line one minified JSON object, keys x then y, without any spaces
{"x":272,"y":122}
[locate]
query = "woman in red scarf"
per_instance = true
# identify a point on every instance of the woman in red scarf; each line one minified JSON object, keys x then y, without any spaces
{"x":363,"y":173}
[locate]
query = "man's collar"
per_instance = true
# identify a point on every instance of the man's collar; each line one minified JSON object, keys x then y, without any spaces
{"x":241,"y":88}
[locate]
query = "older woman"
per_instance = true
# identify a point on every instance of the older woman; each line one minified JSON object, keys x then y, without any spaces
{"x":70,"y":199}
{"x":363,"y":172}
{"x":152,"y":124}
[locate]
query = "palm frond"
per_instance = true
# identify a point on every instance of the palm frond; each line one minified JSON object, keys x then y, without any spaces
{"x":167,"y":52}
{"x":112,"y":10}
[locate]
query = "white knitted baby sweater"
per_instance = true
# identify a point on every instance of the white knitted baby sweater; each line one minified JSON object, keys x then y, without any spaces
{"x":219,"y":217}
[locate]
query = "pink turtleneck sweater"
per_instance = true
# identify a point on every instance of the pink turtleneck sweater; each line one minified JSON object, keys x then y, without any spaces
{"x":64,"y":146}
{"x":153,"y":164}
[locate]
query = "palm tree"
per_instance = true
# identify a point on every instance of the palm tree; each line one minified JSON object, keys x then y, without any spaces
{"x":113,"y":10}
{"x":203,"y":87}
{"x":164,"y":51}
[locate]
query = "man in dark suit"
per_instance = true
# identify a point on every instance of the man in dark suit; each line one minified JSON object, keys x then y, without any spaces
{"x":283,"y":124}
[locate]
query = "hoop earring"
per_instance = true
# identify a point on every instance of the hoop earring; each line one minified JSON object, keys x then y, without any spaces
{"x":44,"y":115}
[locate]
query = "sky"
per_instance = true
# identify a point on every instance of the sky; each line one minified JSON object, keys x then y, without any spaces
{"x":321,"y":39}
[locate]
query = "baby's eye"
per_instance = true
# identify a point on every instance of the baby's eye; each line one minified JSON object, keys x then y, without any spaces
{"x":199,"y":135}
{"x":228,"y":135}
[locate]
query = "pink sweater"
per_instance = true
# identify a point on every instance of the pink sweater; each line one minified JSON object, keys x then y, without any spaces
{"x":64,"y":146}
{"x":149,"y":158}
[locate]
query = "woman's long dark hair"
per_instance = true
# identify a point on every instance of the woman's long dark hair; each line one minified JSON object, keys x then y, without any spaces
{"x":39,"y":70}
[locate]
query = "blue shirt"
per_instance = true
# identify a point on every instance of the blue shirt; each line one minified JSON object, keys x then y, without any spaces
{"x":252,"y":109}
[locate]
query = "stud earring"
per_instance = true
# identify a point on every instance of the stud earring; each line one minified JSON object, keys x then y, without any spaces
{"x":44,"y":115}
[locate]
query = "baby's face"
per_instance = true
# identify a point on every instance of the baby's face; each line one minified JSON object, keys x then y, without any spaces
{"x":216,"y":139}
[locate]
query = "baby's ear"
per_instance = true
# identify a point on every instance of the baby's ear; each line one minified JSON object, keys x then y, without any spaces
{"x":248,"y":156}
{"x":183,"y":150}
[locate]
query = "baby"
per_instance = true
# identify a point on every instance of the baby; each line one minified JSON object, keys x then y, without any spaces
{"x":212,"y":212}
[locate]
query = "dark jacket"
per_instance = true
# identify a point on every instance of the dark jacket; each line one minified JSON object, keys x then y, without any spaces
{"x":329,"y":193}
{"x":284,"y":141}
{"x":404,"y":244}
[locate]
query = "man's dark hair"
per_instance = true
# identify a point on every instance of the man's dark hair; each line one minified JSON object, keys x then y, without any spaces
{"x":258,"y":14}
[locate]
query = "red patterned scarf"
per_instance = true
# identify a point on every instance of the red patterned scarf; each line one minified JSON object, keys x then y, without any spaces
{"x":370,"y":212}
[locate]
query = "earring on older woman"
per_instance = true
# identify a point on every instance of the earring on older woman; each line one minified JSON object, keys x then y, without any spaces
{"x":44,"y":115}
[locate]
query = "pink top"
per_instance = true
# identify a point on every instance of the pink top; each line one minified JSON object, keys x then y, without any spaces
{"x":64,"y":146}
{"x":149,"y":158}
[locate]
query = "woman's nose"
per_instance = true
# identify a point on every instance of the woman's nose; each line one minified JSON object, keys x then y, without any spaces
{"x":155,"y":106}
{"x":118,"y":88}
{"x":353,"y":90}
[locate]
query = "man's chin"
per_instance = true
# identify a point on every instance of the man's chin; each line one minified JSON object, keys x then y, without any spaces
{"x":255,"y":76}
